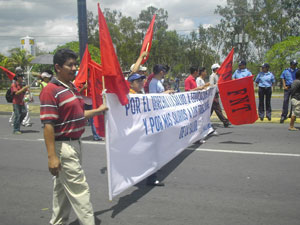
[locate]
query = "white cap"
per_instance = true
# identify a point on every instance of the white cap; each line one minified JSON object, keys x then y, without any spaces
{"x":45,"y":74}
{"x":215,"y":66}
{"x":19,"y":69}
{"x":142,"y":68}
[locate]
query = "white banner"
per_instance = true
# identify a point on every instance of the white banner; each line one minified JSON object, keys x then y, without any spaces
{"x":150,"y":131}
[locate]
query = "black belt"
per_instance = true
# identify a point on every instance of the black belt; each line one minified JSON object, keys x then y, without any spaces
{"x":66,"y":139}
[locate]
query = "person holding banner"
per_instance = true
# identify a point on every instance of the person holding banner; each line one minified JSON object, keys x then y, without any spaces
{"x":265,"y":80}
{"x":295,"y":101}
{"x":213,"y":80}
{"x":64,"y":117}
{"x":287,"y":76}
{"x":156,"y":85}
{"x":190,"y":83}
{"x":242,"y":71}
{"x":200,"y":80}
{"x":136,"y":83}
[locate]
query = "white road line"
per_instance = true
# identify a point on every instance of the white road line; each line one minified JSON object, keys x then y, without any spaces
{"x":245,"y":152}
{"x":189,"y":148}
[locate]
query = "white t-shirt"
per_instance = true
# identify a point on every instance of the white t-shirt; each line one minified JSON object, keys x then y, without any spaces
{"x":200,"y":82}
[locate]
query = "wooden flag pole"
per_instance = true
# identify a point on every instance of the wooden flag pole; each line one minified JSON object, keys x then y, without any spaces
{"x":103,"y":88}
{"x":147,"y":49}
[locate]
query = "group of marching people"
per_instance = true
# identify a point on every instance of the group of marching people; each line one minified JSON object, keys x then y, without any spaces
{"x":265,"y":80}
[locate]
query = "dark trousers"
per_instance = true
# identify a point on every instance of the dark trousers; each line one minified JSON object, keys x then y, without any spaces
{"x":217,"y":108}
{"x":20,"y":113}
{"x":285,"y":106}
{"x":264,"y":95}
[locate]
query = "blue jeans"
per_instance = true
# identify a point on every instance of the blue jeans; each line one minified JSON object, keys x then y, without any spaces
{"x":20,"y":113}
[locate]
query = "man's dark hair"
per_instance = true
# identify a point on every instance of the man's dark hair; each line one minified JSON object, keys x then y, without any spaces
{"x":158,"y":68}
{"x":62,"y":55}
{"x":201,"y":69}
{"x":193,"y":69}
{"x":298,"y":75}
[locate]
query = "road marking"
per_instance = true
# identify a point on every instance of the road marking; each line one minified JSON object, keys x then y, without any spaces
{"x":189,"y":148}
{"x":244,"y":152}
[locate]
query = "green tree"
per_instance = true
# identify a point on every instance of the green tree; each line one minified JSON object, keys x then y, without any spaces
{"x":19,"y":57}
{"x":282,"y":53}
{"x":74,"y":46}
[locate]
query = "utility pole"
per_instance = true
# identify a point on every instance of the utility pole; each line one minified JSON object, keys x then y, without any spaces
{"x":82,"y":26}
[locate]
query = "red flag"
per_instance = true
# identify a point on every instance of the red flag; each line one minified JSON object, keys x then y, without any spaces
{"x":238,"y":100}
{"x":82,"y":75}
{"x":225,"y":71}
{"x":10,"y":74}
{"x":148,"y":40}
{"x":96,"y":88}
{"x":111,"y":70}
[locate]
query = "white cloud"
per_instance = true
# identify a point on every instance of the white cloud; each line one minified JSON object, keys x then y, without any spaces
{"x":54,"y":22}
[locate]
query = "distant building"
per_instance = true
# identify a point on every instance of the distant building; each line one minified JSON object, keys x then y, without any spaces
{"x":28,"y":43}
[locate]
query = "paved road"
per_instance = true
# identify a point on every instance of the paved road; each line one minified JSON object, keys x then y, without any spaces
{"x":246,"y":175}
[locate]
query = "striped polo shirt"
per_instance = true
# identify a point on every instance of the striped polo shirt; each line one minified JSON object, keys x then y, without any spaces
{"x":64,"y":108}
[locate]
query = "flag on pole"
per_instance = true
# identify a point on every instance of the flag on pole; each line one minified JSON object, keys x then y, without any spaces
{"x":111,"y":70}
{"x":225,"y":70}
{"x":148,"y":40}
{"x":10,"y":74}
{"x":237,"y":96}
{"x":90,"y":73}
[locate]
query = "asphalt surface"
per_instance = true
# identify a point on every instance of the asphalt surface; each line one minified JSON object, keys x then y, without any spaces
{"x":246,"y":175}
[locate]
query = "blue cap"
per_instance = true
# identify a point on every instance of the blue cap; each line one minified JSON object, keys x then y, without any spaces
{"x":135,"y":76}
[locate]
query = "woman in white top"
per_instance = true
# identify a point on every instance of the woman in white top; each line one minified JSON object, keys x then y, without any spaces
{"x":200,"y":80}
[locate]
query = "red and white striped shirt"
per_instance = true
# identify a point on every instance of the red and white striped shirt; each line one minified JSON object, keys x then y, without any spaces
{"x":64,"y":108}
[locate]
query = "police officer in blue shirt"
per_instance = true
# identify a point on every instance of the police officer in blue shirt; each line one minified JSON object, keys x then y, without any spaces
{"x":287,"y":76}
{"x":265,"y":80}
{"x":242,"y":71}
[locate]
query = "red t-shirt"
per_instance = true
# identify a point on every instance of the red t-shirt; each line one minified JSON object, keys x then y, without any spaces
{"x":190,"y":83}
{"x":63,"y":108}
{"x":17,"y":99}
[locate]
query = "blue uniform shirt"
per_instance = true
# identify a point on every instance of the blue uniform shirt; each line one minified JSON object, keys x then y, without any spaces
{"x":289,"y":75}
{"x":241,"y":73}
{"x":265,"y":79}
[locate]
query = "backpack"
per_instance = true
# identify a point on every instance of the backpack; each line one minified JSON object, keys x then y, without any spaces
{"x":9,"y":96}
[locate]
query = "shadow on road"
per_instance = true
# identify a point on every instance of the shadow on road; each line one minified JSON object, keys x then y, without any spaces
{"x":143,"y":189}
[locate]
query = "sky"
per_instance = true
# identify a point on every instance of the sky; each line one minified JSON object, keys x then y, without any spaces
{"x":54,"y":22}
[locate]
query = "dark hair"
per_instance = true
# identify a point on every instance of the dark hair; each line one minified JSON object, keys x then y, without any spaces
{"x":193,"y":69}
{"x":62,"y":55}
{"x":201,"y":69}
{"x":158,"y":68}
{"x":298,"y":75}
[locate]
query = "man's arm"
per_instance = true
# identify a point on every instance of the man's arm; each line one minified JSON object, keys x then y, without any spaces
{"x":53,"y":161}
{"x":138,"y":62}
{"x":94,"y":112}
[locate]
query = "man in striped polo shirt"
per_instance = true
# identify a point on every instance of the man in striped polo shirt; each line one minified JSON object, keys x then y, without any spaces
{"x":64,"y":117}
